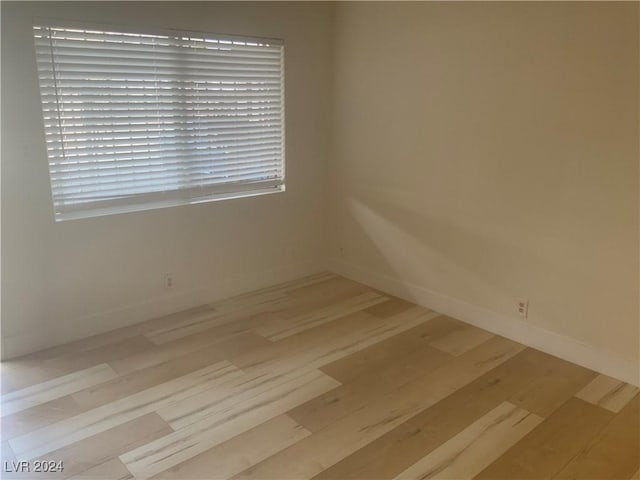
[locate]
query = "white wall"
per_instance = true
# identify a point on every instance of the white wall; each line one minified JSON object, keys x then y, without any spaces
{"x":489,"y":151}
{"x":72,"y":279}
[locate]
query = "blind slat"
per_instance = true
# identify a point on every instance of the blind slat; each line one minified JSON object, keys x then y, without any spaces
{"x":193,"y":136}
{"x":62,"y":159}
{"x":232,"y":152}
{"x":80,"y":184}
{"x":77,"y":54}
{"x":191,"y":42}
{"x":105,"y":64}
{"x":98,"y":168}
{"x":134,"y":121}
{"x":76,"y":196}
{"x":166,"y":128}
{"x":47,"y":81}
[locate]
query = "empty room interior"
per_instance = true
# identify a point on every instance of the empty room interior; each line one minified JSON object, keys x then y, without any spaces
{"x":328,"y":240}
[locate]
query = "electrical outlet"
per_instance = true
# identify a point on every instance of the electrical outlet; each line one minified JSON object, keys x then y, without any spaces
{"x":168,"y":280}
{"x":523,"y":307}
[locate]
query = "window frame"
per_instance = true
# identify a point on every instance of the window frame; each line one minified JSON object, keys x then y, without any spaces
{"x":182,"y":196}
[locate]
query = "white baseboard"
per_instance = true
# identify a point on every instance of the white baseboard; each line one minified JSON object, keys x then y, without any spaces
{"x":567,"y":348}
{"x":101,"y":322}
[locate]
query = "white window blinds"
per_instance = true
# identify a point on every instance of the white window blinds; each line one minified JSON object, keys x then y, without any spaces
{"x":136,"y":121}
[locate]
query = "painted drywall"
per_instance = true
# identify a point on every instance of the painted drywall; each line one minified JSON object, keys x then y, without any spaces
{"x":484,"y":152}
{"x":63,"y":281}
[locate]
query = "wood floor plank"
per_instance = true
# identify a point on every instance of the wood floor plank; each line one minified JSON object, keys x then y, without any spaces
{"x":476,"y":446}
{"x":149,"y":327}
{"x":551,"y":445}
{"x":291,"y":326}
{"x":19,"y":373}
{"x":613,"y":453}
{"x":212,"y":407}
{"x":562,"y":381}
{"x":108,"y":338}
{"x":58,"y":435}
{"x":39,"y":416}
{"x":389,"y":308}
{"x":309,"y":299}
{"x":254,"y":378}
{"x":608,"y":393}
{"x":383,"y":457}
{"x":105,"y":354}
{"x":298,"y":346}
{"x":97,"y":449}
{"x":183,"y":327}
{"x":374,"y":332}
{"x":247,"y":324}
{"x":345,"y":399}
{"x":91,"y":455}
{"x":241,"y":325}
{"x":309,"y":281}
{"x":25,"y":372}
{"x":461,"y":339}
{"x":222,"y":343}
{"x":314,"y":282}
{"x":324,"y":448}
{"x":331,"y":288}
{"x":265,"y":376}
{"x":34,"y":368}
{"x":395,"y":451}
{"x":318,"y":347}
{"x":229,"y":419}
{"x":55,"y":388}
{"x":112,"y":469}
{"x":174,"y":367}
{"x":377,"y":356}
{"x":270,"y":299}
{"x":202,"y":323}
{"x":249,"y":301}
{"x":240,"y":452}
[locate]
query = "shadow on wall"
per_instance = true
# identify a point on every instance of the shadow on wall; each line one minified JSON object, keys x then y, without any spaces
{"x":474,"y":265}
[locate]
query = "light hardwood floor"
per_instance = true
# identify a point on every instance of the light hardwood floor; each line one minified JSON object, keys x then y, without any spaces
{"x":317,"y":378}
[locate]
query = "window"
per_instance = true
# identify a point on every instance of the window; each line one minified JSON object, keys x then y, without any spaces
{"x":135,"y":121}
